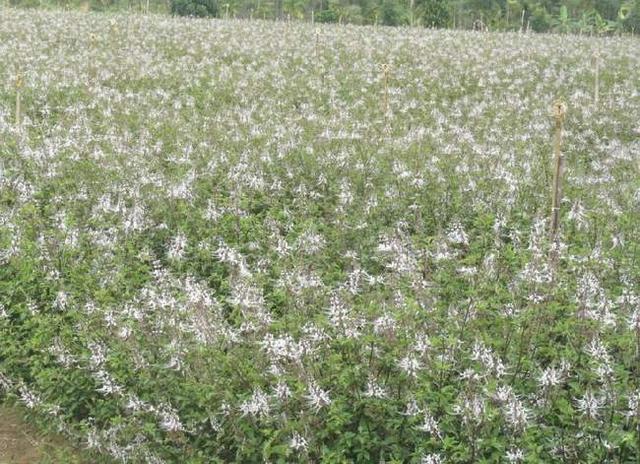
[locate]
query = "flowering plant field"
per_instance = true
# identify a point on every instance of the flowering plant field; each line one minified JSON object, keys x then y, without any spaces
{"x":234,"y":241}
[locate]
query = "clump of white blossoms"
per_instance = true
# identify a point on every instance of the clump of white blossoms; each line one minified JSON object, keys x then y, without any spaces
{"x":514,"y":456}
{"x":410,"y":365}
{"x":590,"y":405}
{"x":432,"y":458}
{"x":633,"y":407}
{"x":430,"y":425}
{"x":317,"y":398}
{"x":515,"y":413}
{"x":170,"y":421}
{"x":177,"y":247}
{"x":375,"y":390}
{"x":298,"y":442}
{"x":257,"y":405}
{"x":30,"y":399}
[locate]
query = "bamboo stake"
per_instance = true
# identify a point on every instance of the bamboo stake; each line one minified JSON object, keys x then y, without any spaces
{"x":559,"y":112}
{"x":596,"y":91}
{"x":385,"y":75}
{"x":19,"y":85}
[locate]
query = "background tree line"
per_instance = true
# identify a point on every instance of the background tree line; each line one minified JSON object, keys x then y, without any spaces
{"x":577,"y":16}
{"x":581,"y":16}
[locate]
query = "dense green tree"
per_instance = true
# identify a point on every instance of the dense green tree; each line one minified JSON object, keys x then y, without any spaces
{"x":629,"y":15}
{"x":434,"y":13}
{"x":327,"y":16}
{"x":393,"y":13}
{"x":536,"y":17}
{"x":197,"y":8}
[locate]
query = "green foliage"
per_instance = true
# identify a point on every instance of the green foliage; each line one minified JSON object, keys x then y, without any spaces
{"x":327,"y":16}
{"x":195,"y":8}
{"x":392,"y":13}
{"x":540,"y":20}
{"x":629,"y":14}
{"x":562,"y":16}
{"x":434,"y":13}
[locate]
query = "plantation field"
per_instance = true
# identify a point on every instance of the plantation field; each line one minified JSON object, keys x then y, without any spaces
{"x":235,"y":241}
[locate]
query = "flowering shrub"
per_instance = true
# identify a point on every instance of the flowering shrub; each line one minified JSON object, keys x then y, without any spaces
{"x":218,"y":244}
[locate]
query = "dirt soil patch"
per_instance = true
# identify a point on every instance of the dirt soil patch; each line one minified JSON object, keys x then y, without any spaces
{"x":21,"y":443}
{"x":18,"y":443}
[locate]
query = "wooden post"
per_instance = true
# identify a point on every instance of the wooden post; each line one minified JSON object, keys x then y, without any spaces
{"x":596,"y":90}
{"x":559,"y":112}
{"x":19,"y":85}
{"x":385,"y":68}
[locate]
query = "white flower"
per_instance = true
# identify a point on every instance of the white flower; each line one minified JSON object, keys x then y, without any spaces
{"x":282,"y":348}
{"x":135,"y":404}
{"x":553,"y":376}
{"x":282,"y":391}
{"x":98,"y":354}
{"x":375,"y":390}
{"x":470,"y":375}
{"x":634,"y":321}
{"x":5,"y":383}
{"x":30,"y":399}
{"x":485,"y":355}
{"x":93,"y":439}
{"x":317,"y":398}
{"x":515,"y":455}
{"x":298,"y":442}
{"x":178,"y":247}
{"x":516,"y":415}
{"x":412,"y":409}
{"x":457,"y":236}
{"x":513,"y":410}
{"x":429,"y":424}
{"x":108,"y":384}
{"x":310,"y":243}
{"x":589,"y":405}
{"x":467,"y":271}
{"x":61,"y":300}
{"x":170,"y":421}
{"x":471,"y":409}
{"x":384,"y":324}
{"x":634,"y":405}
{"x":257,"y":405}
{"x":410,"y":365}
{"x":431,"y":459}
